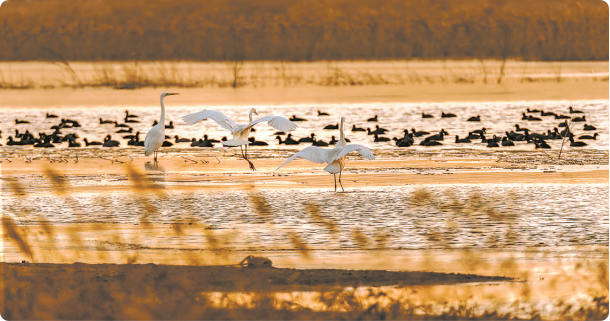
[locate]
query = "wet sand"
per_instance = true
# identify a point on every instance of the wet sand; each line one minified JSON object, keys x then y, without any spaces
{"x":236,"y":278}
{"x":184,"y":173}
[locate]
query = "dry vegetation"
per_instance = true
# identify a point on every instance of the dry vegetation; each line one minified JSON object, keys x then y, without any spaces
{"x":47,"y":291}
{"x":138,"y":74}
{"x":304,"y":30}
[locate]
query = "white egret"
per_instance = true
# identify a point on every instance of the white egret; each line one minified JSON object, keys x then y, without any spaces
{"x":240,"y":132}
{"x":334,"y":157}
{"x":155,"y":137}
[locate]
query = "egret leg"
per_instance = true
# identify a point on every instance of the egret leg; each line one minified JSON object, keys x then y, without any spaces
{"x":335,"y":175}
{"x":249,"y":162}
{"x":244,"y":155}
{"x":340,"y":181}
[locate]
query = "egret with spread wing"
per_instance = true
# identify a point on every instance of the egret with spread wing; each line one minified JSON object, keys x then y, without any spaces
{"x":240,"y":132}
{"x":334,"y":157}
{"x":156,"y":135}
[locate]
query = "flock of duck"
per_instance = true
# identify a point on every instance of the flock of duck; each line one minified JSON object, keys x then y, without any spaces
{"x":517,"y":135}
{"x":157,"y":138}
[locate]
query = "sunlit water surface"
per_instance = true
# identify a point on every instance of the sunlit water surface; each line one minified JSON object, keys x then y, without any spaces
{"x":502,"y":215}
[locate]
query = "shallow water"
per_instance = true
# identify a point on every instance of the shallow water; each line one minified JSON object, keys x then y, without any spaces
{"x":496,"y":117}
{"x":458,"y":216}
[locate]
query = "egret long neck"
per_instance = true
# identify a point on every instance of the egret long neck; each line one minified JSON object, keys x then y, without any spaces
{"x":342,"y":141}
{"x":162,"y":119}
{"x":251,"y":112}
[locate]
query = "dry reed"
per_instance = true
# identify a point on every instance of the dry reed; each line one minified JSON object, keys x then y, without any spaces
{"x":303,"y":30}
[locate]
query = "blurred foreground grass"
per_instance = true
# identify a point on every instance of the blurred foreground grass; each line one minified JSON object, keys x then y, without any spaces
{"x":39,"y":290}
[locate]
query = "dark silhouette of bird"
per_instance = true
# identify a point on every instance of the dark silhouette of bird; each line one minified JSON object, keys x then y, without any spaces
{"x":94,"y":143}
{"x":588,"y":136}
{"x":519,"y":129}
{"x":378,"y":130}
{"x":576,"y":143}
{"x":309,"y":139}
{"x":573,"y":111}
{"x":462,"y":140}
{"x":472,"y":135}
{"x":492,"y":143}
{"x":439,"y":136}
{"x":72,"y":143}
{"x":447,"y":115}
{"x":320,"y":143}
{"x":332,"y":126}
{"x":116,"y":124}
{"x":530,"y":118}
{"x":424,"y":115}
{"x":381,"y":139}
{"x":321,"y":113}
{"x":430,"y":143}
{"x":578,"y":119}
{"x":108,"y":142}
{"x":481,"y":131}
{"x":507,"y":142}
{"x":420,"y":133}
{"x":373,"y":119}
{"x":128,"y":115}
{"x":254,"y":142}
{"x":474,"y":118}
{"x":357,"y":129}
{"x":589,"y":127}
{"x":288,"y":141}
{"x":295,"y":118}
{"x":181,"y":140}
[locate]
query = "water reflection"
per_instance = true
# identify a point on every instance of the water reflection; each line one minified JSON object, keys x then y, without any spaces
{"x":153,"y":166}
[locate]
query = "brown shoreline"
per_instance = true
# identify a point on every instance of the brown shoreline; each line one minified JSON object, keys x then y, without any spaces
{"x":228,"y":278}
{"x":86,"y":98}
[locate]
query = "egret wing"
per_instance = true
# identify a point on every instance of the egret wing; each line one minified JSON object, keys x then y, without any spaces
{"x":277,"y":122}
{"x":215,"y":115}
{"x":363,"y":150}
{"x":313,"y":154}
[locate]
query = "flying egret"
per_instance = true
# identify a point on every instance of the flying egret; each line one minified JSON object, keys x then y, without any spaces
{"x":155,"y":137}
{"x":240,"y":132}
{"x":334,"y":157}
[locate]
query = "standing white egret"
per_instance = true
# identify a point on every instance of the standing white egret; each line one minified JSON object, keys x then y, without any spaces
{"x":334,"y":157}
{"x":240,"y":132}
{"x":156,"y":135}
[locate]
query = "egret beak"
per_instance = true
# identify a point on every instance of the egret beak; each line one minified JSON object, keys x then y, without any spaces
{"x":169,"y":94}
